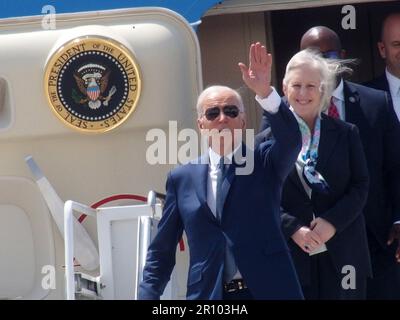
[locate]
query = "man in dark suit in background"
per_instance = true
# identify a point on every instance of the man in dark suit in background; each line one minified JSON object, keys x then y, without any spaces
{"x":237,"y":250}
{"x":379,"y":129}
{"x":389,"y":49}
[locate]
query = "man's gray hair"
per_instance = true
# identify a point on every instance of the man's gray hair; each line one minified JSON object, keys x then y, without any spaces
{"x":328,"y":68}
{"x":216,"y":89}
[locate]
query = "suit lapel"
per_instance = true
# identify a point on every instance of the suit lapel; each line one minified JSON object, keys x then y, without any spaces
{"x":353,"y":109}
{"x":199,"y":178}
{"x":294,"y":178}
{"x":384,"y":83}
{"x":237,"y":161}
{"x":327,"y":142}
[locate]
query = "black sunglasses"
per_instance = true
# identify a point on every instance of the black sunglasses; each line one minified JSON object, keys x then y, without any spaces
{"x":331,"y":54}
{"x":213,"y":113}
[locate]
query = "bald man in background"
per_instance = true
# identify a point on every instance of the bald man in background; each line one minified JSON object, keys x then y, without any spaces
{"x":389,"y":49}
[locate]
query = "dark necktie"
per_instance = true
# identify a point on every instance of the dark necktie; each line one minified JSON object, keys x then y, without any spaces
{"x":230,"y":265}
{"x":333,"y":110}
{"x":220,"y":180}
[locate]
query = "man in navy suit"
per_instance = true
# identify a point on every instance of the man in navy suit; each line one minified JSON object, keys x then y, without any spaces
{"x":371,"y":112}
{"x":232,"y":222}
{"x":389,"y":49}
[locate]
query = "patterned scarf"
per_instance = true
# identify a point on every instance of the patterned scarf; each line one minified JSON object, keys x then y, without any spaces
{"x":309,"y":155}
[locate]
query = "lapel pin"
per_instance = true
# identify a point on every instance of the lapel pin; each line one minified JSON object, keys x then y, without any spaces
{"x":352,"y":99}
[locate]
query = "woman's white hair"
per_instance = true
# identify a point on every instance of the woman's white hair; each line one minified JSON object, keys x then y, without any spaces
{"x":216,"y":89}
{"x":328,"y":68}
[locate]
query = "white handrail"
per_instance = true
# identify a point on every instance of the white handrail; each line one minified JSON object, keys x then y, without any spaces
{"x":85,"y":249}
{"x":144,"y":239}
{"x":120,"y":212}
{"x":69,"y":208}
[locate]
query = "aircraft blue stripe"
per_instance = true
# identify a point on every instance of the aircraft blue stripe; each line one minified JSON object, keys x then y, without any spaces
{"x":192,"y":10}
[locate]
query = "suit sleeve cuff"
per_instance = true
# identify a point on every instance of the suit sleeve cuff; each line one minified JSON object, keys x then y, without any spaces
{"x":271,"y":103}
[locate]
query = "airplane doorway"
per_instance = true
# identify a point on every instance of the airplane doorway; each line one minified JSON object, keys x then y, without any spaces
{"x":225,"y":38}
{"x":289,"y":25}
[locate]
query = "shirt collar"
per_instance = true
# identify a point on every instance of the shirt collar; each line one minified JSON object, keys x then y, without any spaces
{"x":215,"y":157}
{"x":298,"y":118}
{"x":338,"y":92}
{"x":394,"y":83}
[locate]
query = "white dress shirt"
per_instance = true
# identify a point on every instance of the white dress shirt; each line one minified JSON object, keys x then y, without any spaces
{"x":270,"y":103}
{"x":394,"y":87}
{"x":212,"y":184}
{"x":212,"y":178}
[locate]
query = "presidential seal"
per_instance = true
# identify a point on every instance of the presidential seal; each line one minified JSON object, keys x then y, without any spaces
{"x":92,"y":83}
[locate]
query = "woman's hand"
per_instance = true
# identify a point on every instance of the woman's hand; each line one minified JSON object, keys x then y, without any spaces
{"x":323,"y":228}
{"x":307,"y":239}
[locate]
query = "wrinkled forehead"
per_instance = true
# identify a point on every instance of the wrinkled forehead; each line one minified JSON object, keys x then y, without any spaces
{"x":220,"y":98}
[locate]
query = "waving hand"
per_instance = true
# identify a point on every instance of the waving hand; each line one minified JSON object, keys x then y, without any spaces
{"x":258,"y":75}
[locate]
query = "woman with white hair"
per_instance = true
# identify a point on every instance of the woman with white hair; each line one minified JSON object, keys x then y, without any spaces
{"x":324,"y":195}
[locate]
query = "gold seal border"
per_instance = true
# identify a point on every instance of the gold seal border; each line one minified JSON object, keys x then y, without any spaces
{"x":135,"y":95}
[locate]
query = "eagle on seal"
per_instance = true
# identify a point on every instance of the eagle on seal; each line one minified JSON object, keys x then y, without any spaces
{"x":92,"y":81}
